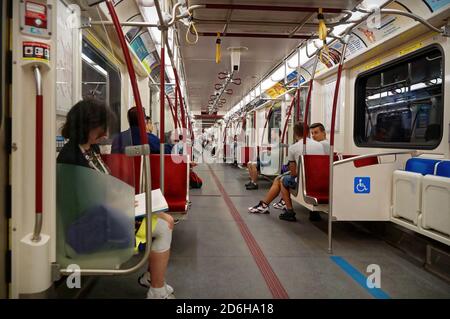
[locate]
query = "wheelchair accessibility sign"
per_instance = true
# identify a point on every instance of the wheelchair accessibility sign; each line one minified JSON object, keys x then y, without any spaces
{"x":362,"y":185}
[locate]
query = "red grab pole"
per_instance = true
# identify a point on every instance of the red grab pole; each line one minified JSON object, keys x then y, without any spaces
{"x":286,"y":121}
{"x":176,"y":103}
{"x":171,"y":110}
{"x":335,"y":100}
{"x":307,"y":105}
{"x":39,"y":141}
{"x":131,"y":72}
{"x":162,"y":78}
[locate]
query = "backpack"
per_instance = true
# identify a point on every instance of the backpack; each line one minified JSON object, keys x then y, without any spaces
{"x":194,"y":180}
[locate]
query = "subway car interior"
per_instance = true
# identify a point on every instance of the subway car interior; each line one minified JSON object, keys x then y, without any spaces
{"x":287,"y":149}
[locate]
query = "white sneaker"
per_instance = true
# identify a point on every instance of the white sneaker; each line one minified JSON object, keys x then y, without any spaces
{"x":260,"y":208}
{"x":144,"y":281}
{"x":280,"y":205}
{"x":159,"y":293}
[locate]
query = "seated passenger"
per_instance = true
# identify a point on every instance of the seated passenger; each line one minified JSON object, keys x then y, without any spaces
{"x":319,"y":134}
{"x":85,"y":126}
{"x":294,"y":152}
{"x":254,"y":169}
{"x":178,"y":148}
{"x":168,"y":142}
{"x":235,"y":150}
{"x":132,"y":136}
{"x":148,"y":124}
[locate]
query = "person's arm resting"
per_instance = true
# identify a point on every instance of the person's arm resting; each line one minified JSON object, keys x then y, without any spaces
{"x":293,"y":168}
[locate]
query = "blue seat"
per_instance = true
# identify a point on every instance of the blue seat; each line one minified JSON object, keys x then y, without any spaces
{"x":443,"y":169}
{"x":422,"y":166}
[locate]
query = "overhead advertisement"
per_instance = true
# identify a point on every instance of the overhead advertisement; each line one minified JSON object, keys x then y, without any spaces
{"x":436,"y":5}
{"x":139,"y":38}
{"x":389,"y":25}
{"x":276,"y":90}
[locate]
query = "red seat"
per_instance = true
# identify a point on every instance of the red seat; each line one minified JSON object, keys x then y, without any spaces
{"x":175,"y":180}
{"x":246,"y":153}
{"x":127,"y":169}
{"x":317,"y":174}
{"x":123,"y":167}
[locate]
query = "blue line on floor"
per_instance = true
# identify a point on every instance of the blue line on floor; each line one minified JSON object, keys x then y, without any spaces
{"x":359,"y":278}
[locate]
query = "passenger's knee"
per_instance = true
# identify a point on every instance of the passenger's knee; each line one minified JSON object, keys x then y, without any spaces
{"x":163,"y":236}
{"x":168,"y":218}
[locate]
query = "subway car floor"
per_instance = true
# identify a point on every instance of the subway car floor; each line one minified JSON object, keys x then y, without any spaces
{"x":222,"y":251}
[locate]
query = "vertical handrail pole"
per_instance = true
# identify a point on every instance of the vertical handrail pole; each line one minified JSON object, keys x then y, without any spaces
{"x":176,"y":102}
{"x":39,"y":155}
{"x":183,"y":110}
{"x":308,"y":103}
{"x":162,"y":92}
{"x":178,"y":96}
{"x":131,"y":72}
{"x":287,"y":120}
{"x":171,"y":109}
{"x":331,"y":155}
{"x":298,"y":84}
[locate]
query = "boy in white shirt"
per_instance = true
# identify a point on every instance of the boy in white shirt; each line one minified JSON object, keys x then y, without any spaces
{"x":294,"y":152}
{"x":319,"y":134}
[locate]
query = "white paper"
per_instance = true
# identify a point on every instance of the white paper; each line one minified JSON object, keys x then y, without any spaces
{"x":159,"y":203}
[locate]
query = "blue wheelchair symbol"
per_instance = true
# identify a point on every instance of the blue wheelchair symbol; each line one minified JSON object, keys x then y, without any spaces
{"x":362,"y":185}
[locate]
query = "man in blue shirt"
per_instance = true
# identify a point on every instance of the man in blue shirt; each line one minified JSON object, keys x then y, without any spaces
{"x":132,"y":136}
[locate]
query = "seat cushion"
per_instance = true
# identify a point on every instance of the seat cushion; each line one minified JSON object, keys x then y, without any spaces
{"x":443,"y":169}
{"x":422,"y":166}
{"x":322,"y":198}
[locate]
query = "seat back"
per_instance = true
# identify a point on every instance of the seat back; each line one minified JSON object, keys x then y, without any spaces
{"x":245,"y":155}
{"x":125,"y":168}
{"x":443,"y":169}
{"x":316,"y":177}
{"x":422,"y":166}
{"x":175,"y":179}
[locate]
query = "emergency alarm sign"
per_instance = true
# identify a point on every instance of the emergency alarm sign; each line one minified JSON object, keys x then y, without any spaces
{"x":35,"y":18}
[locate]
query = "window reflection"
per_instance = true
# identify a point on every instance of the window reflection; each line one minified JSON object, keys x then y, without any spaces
{"x":400,"y":105}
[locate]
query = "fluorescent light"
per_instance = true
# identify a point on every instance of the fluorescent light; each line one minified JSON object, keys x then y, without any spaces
{"x":279,"y":74}
{"x":292,"y":62}
{"x":267,"y":84}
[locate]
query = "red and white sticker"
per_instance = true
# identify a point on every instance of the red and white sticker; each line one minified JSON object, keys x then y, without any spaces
{"x":35,"y":15}
{"x":36,"y":51}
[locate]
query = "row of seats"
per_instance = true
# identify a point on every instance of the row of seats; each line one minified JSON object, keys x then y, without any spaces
{"x":421,"y":197}
{"x":128,"y":169}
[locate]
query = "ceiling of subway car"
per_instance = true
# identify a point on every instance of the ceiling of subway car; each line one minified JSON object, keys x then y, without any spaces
{"x":282,"y":31}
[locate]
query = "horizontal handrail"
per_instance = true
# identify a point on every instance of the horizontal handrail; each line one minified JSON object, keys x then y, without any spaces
{"x":352,"y":159}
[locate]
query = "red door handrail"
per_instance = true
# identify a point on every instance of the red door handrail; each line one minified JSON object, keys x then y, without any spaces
{"x":39,"y":155}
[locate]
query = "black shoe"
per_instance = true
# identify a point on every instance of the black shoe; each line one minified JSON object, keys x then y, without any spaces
{"x":315,"y":216}
{"x":288,"y":216}
{"x":252,"y":186}
{"x":248,"y":184}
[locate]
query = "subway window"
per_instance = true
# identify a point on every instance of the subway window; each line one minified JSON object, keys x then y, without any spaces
{"x":400,"y":105}
{"x":101,"y":80}
{"x":274,"y":124}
